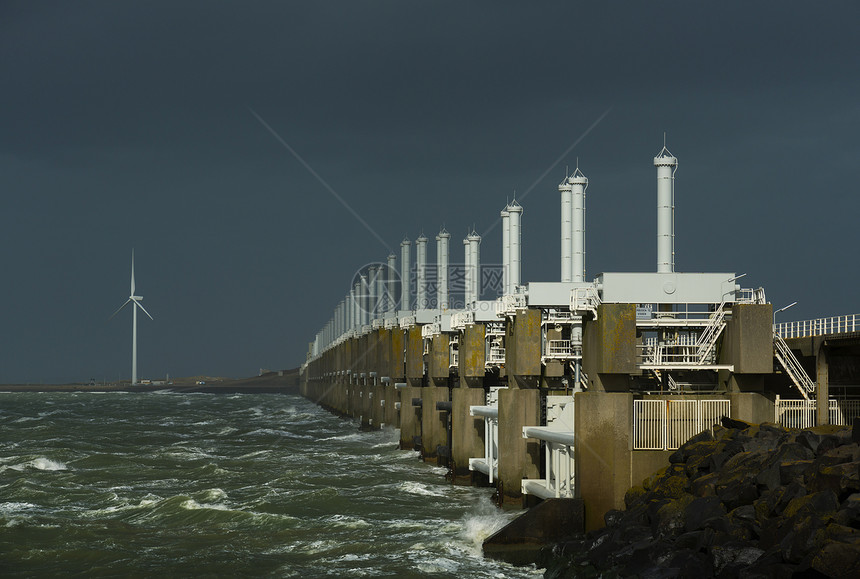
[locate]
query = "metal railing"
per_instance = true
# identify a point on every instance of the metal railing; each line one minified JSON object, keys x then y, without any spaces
{"x":560,"y":348}
{"x":802,"y":413}
{"x":819,"y":327}
{"x":751,"y":296}
{"x":489,"y":463}
{"x":430,"y":330}
{"x":558,"y":439}
{"x":497,"y":355}
{"x":667,"y":424}
{"x":460,"y":320}
{"x":792,"y":367}
{"x":584,"y":300}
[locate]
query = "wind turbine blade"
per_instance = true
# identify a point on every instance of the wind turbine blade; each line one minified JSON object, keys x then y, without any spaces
{"x":120,"y":308}
{"x":132,"y":272}
{"x":138,"y":304}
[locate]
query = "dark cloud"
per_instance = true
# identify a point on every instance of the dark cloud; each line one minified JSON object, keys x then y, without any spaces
{"x":128,"y":125}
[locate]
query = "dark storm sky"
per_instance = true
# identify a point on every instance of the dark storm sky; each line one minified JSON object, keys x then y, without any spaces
{"x":130,"y":126}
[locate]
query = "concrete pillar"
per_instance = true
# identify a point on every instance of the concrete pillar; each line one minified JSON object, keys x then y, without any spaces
{"x":609,"y":348}
{"x":603,"y":429}
{"x":414,"y":356}
{"x":822,"y":386}
{"x":439,"y":363}
{"x":522,"y":348}
{"x":391,"y":416}
{"x":519,"y":457}
{"x":467,"y":432}
{"x":410,"y":417}
{"x":472,"y":355}
{"x":434,"y":423}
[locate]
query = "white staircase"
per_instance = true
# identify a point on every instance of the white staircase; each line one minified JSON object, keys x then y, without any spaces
{"x":792,"y":367}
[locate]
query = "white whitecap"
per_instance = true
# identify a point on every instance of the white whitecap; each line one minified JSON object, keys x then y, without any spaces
{"x":418,"y":489}
{"x":42,"y":463}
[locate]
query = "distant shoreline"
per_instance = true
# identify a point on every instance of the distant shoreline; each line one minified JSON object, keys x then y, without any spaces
{"x":283,"y":382}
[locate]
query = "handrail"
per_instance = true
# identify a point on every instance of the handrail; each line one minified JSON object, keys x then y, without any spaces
{"x":548,"y":435}
{"x":792,"y":367}
{"x":819,"y":326}
{"x":485,"y":411}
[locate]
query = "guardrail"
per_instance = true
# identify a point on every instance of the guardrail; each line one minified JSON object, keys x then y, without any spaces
{"x":558,"y":439}
{"x":819,"y":327}
{"x":489,"y":463}
{"x":667,"y":424}
{"x":802,"y":413}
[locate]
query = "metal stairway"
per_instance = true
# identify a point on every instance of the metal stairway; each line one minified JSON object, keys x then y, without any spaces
{"x":791,"y":366}
{"x":673,"y":386}
{"x":708,"y":339}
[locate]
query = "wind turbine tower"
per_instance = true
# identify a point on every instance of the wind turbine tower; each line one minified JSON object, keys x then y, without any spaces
{"x":135,"y":300}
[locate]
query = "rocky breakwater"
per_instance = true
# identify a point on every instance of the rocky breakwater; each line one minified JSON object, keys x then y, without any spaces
{"x":744,"y":501}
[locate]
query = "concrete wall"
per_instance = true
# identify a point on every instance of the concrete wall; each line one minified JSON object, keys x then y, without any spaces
{"x":519,"y":457}
{"x":434,"y":423}
{"x":410,"y":423}
{"x":397,"y":356}
{"x":467,"y":432}
{"x":752,"y":406}
{"x":609,"y":347}
{"x":522,"y":348}
{"x":604,"y":471}
{"x":414,"y":356}
{"x":748,"y":339}
{"x":438,"y":364}
{"x":472,"y":355}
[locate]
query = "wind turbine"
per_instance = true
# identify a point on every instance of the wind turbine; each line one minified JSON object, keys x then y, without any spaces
{"x":135,"y":300}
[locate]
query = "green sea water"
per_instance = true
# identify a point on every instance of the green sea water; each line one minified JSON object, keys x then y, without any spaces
{"x":167,"y":484}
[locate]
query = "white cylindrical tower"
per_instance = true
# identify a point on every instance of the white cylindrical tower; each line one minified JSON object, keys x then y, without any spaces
{"x":467,"y":270}
{"x":364,"y":301}
{"x":421,"y":265}
{"x":390,"y":279}
{"x":442,"y":269}
{"x":565,"y":189}
{"x":379,"y":292}
{"x":475,"y":265}
{"x":578,"y":183}
{"x":358,"y":304}
{"x":516,"y":212}
{"x":506,"y":250}
{"x":666,"y":164}
{"x":405,"y":279}
{"x":350,"y":310}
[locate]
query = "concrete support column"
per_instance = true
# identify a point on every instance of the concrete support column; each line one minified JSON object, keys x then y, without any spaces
{"x":434,"y":423}
{"x":467,"y":432}
{"x":822,"y":386}
{"x":519,"y":457}
{"x":414,"y":356}
{"x":438,"y":365}
{"x":603,"y":452}
{"x":410,"y":417}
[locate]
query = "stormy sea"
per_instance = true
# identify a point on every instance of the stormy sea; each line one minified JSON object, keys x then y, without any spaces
{"x":147,"y":484}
